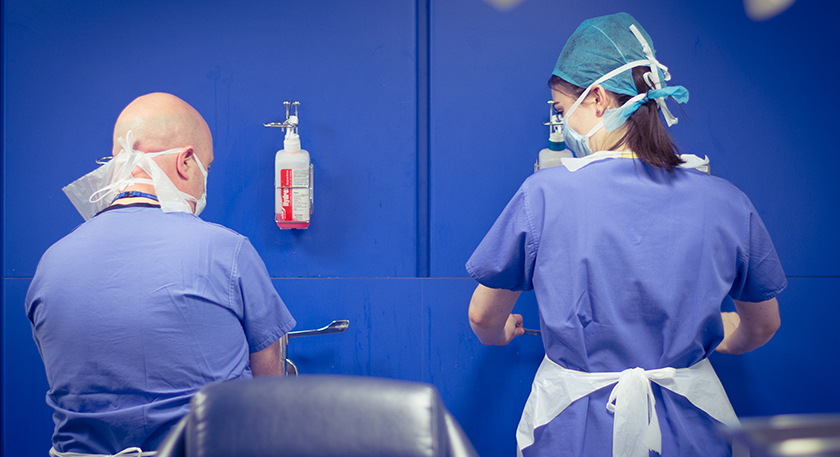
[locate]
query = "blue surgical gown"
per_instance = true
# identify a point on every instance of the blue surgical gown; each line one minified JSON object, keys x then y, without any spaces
{"x":630,"y":266}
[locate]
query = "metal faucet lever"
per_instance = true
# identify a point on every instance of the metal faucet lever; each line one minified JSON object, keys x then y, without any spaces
{"x":333,"y":327}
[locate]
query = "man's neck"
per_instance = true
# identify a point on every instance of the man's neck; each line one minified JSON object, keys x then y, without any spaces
{"x":137,"y":189}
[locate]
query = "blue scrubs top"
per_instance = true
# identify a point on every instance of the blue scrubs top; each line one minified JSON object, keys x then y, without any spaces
{"x":629,"y":265}
{"x":134,"y":312}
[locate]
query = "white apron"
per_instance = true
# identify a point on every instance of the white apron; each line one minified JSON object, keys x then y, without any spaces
{"x":635,"y":426}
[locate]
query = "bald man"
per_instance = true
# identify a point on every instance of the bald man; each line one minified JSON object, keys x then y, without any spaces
{"x":145,"y":303}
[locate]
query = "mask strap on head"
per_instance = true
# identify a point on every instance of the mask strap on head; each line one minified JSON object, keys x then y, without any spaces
{"x":129,"y":159}
{"x":608,"y":76}
{"x":200,"y":165}
{"x":132,"y":159}
{"x":89,"y":194}
{"x":653,"y":82}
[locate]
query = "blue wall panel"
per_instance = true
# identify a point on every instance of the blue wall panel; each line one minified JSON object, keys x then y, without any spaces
{"x":71,"y":68}
{"x":488,"y":100}
{"x":385,"y":333}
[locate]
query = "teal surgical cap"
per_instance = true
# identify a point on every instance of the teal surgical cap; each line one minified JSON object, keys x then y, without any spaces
{"x":598,"y":46}
{"x":604,"y":50}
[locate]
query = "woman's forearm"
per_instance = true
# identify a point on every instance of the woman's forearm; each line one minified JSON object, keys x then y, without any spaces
{"x":752,"y":327}
{"x":490,"y":315}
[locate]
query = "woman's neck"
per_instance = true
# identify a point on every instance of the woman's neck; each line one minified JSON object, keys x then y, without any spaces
{"x":610,"y":141}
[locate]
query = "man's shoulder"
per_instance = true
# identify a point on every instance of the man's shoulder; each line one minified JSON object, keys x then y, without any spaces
{"x":141,"y":223}
{"x":200,"y":228}
{"x":190,"y":222}
{"x":201,"y":224}
{"x":220,"y":230}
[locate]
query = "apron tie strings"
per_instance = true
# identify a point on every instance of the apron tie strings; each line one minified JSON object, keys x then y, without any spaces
{"x":636,"y":425}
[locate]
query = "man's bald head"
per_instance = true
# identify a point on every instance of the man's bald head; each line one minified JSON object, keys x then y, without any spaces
{"x":163,"y":121}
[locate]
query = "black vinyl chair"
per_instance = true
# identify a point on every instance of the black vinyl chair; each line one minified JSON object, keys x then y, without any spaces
{"x":317,"y":416}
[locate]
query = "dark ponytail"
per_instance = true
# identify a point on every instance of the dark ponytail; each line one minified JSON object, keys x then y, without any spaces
{"x":646,"y":135}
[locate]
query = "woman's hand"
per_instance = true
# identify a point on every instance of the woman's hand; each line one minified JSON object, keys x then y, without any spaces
{"x":513,"y":328}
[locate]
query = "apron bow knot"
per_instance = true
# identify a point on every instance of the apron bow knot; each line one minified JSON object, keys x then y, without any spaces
{"x":634,"y":406}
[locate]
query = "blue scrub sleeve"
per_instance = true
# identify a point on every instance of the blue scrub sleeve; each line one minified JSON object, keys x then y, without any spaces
{"x":505,"y":257}
{"x":759,"y":275}
{"x":265,"y":317}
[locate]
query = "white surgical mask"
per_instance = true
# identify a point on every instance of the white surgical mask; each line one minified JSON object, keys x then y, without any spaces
{"x":574,"y":140}
{"x":94,"y":191}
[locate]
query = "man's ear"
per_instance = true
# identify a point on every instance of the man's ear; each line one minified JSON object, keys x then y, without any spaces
{"x":184,"y":162}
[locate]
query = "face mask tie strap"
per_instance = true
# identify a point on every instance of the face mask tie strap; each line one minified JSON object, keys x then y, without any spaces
{"x":127,"y":143}
{"x":652,"y":77}
{"x":142,"y":160}
{"x":90,"y":193}
{"x":606,"y":77}
{"x":120,"y":170}
{"x":614,"y":118}
{"x":123,"y":164}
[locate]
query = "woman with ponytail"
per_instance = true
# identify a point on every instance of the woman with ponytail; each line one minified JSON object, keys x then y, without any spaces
{"x":631,"y":249}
